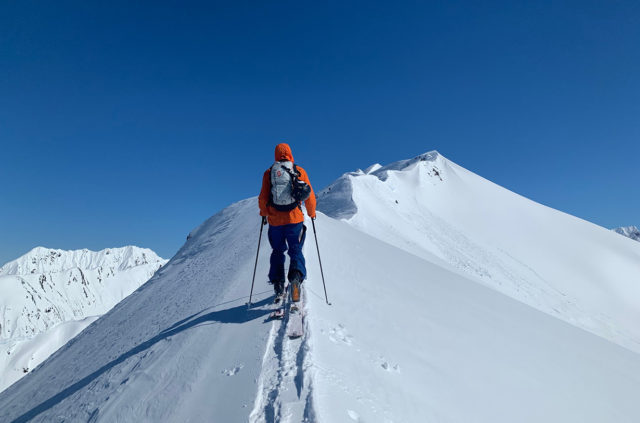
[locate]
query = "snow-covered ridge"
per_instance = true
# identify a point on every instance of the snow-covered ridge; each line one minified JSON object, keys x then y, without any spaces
{"x":629,"y":231}
{"x":49,"y":260}
{"x":47,"y":288}
{"x":429,"y":159}
{"x":337,"y":199}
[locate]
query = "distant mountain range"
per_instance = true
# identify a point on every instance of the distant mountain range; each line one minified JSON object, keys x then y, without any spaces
{"x":49,"y":296}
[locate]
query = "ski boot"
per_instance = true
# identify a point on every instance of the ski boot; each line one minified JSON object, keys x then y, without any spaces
{"x":278,"y":288}
{"x":295,"y":281}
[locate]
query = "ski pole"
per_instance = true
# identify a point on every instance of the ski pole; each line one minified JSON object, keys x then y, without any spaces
{"x":313,"y":222}
{"x":255,"y":266}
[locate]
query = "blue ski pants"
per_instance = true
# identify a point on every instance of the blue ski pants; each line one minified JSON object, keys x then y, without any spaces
{"x":281,"y":237}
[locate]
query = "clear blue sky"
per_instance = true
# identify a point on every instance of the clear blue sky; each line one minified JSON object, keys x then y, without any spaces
{"x":132,"y":122}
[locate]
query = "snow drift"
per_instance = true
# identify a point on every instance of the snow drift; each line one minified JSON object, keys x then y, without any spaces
{"x":417,"y":266}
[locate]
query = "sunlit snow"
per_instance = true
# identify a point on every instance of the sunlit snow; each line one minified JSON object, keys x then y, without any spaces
{"x":454,"y":300}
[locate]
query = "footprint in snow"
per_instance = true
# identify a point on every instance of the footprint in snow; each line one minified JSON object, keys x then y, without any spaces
{"x":387,"y":366}
{"x":340,"y":334}
{"x":390,"y":368}
{"x":232,"y":371}
{"x":354,"y":416}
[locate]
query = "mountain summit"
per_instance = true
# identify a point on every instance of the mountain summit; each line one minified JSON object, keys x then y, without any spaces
{"x":453,"y":300}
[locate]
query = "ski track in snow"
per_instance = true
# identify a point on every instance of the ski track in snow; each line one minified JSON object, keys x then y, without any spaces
{"x":285,"y":391}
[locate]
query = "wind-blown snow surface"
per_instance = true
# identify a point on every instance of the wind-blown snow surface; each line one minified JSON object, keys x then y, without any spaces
{"x":629,"y":231}
{"x":49,"y":296}
{"x":409,"y":338}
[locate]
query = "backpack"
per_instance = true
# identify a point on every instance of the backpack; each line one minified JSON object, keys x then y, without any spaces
{"x":287,"y":189}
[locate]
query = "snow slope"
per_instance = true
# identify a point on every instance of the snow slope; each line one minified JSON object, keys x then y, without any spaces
{"x":183,"y":347}
{"x":49,"y":296}
{"x":409,"y":338}
{"x":629,"y":231}
{"x":555,"y":262}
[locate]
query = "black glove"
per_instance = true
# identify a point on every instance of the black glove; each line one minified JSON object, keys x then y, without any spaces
{"x":264,"y":220}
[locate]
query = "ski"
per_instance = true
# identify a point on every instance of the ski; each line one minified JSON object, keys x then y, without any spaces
{"x":295,"y":325}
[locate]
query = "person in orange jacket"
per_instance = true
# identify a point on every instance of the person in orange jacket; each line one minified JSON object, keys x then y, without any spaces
{"x":284,"y":187}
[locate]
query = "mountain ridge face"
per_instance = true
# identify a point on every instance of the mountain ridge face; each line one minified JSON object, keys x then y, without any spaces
{"x":453,"y":299}
{"x":50,"y":295}
{"x":629,"y":231}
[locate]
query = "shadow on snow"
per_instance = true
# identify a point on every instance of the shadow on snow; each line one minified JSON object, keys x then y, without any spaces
{"x":239,"y":314}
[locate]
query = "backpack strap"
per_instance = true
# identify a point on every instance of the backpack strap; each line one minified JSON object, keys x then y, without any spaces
{"x":294,"y":173}
{"x":270,"y":202}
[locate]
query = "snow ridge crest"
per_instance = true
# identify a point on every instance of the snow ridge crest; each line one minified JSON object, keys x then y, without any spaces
{"x":408,"y":164}
{"x":337,"y":200}
{"x":48,"y":260}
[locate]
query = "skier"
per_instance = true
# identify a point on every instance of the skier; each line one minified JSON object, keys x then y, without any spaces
{"x":284,"y":187}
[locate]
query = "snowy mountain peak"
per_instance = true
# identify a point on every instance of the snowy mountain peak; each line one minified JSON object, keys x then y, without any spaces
{"x":427,"y":158}
{"x":48,"y":260}
{"x":629,"y":231}
{"x":337,"y":199}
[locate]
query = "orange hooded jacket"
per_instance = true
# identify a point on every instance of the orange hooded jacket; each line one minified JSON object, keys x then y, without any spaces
{"x":275,"y":217}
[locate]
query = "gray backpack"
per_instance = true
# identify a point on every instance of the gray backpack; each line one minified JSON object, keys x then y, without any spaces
{"x":287,"y":190}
